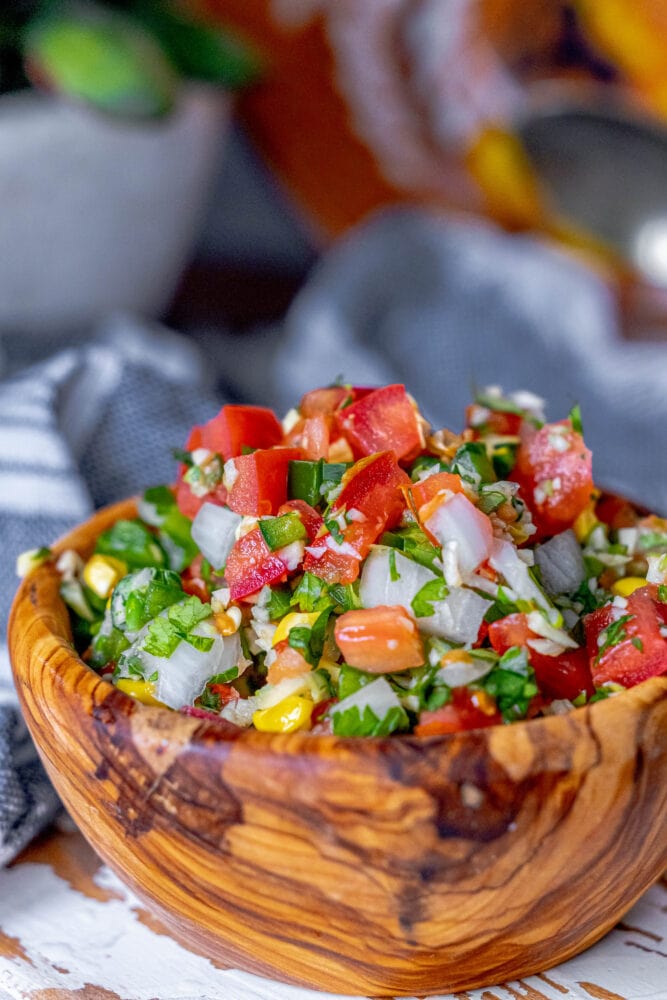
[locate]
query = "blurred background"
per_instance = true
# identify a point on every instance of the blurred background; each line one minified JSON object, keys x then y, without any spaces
{"x":441,"y":192}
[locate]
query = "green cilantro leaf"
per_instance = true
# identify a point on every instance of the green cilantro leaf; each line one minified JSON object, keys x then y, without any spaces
{"x":422,"y":602}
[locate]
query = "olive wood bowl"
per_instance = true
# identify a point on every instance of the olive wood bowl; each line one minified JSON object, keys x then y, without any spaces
{"x":380,"y":866}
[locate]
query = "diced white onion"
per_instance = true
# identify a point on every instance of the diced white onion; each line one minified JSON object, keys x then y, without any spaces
{"x":376,"y":586}
{"x":540,"y":626}
{"x":273,"y":694}
{"x":628,"y":537}
{"x":239,"y":711}
{"x":462,"y":672}
{"x":657,"y":569}
{"x":458,"y":617}
{"x":291,"y":555}
{"x":458,"y":520}
{"x":213,"y":532}
{"x":230,"y":474}
{"x":561,"y":563}
{"x":379,"y":696}
{"x":559,"y":706}
{"x":220,"y":598}
{"x":183,"y":675}
{"x":504,"y":560}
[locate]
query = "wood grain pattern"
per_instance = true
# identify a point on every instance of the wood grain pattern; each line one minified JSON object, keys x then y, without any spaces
{"x":400,"y":866}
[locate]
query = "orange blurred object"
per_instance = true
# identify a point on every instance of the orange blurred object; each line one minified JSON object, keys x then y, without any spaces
{"x":368,"y":103}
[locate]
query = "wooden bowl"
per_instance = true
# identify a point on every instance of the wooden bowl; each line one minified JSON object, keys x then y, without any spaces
{"x":375,"y":866}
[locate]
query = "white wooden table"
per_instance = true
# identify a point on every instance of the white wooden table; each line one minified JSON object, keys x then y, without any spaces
{"x":69,"y":930}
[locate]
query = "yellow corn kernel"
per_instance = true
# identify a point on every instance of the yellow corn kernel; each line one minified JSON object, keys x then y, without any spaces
{"x":102,"y":573}
{"x":287,"y":716}
{"x":585,"y":523}
{"x":141,"y":690}
{"x":455,"y":656}
{"x":296,"y":619}
{"x":228,"y":622}
{"x":485,"y":702}
{"x":628,"y":585}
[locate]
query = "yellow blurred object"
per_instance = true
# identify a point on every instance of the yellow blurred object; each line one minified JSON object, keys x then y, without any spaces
{"x":634,"y":36}
{"x":585,"y":523}
{"x":297,"y":619}
{"x":628,"y":585}
{"x":141,"y":690}
{"x":102,"y":573}
{"x":499,"y":164}
{"x":485,"y":702}
{"x":287,"y":716}
{"x":455,"y":656}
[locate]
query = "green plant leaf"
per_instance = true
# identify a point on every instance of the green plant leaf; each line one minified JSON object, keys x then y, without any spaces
{"x":200,"y":51}
{"x":101,"y":57}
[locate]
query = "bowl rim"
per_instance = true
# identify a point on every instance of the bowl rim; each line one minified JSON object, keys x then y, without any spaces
{"x":53,"y":624}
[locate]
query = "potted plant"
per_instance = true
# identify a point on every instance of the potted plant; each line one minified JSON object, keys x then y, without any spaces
{"x":111,"y":116}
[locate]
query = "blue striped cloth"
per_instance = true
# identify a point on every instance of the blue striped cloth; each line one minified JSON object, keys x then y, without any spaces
{"x":438,"y":303}
{"x":93,"y":423}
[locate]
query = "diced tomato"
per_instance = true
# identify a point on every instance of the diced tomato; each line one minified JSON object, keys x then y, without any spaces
{"x":324,"y":401}
{"x":419,"y":494}
{"x":260,"y":486}
{"x":509,"y":631}
{"x":456,"y":716}
{"x":379,"y":640}
{"x":225,"y":692}
{"x":372,"y":499}
{"x":193,"y":582}
{"x":320,"y":710}
{"x":384,"y":419}
{"x":616,"y":512}
{"x":189,"y":504}
{"x":236,"y":427}
{"x":310,"y":518}
{"x":639,"y":650}
{"x":497,"y":422}
{"x":251,"y":564}
{"x":554,"y":470}
{"x":562,"y":676}
{"x":288,"y":663}
{"x":311,"y":435}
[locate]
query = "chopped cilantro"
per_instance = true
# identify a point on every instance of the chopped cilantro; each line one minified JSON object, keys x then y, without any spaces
{"x":662,"y":593}
{"x":133,"y":543}
{"x":352,"y":722}
{"x":346,"y":595}
{"x":394,"y":575}
{"x":333,"y":527}
{"x":512,"y":684}
{"x":422,"y":602}
{"x":165,"y":633}
{"x":279,"y":602}
{"x":575,"y":419}
{"x":472,"y":463}
{"x":310,"y":641}
{"x":310,"y":594}
{"x":613,"y":635}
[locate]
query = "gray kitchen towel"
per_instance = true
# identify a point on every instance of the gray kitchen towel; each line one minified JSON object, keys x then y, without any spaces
{"x":436,"y":302}
{"x":90,"y":425}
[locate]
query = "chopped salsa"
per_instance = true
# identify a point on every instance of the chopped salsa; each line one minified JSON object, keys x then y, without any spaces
{"x":351,"y":571}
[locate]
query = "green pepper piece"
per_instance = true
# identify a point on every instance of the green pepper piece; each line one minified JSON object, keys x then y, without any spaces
{"x":304,"y":480}
{"x":281,"y":531}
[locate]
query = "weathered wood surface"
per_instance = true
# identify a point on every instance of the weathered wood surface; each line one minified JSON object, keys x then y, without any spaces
{"x":394,"y":866}
{"x":70,"y":930}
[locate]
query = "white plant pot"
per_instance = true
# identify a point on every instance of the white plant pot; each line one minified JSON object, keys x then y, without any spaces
{"x":99,"y":214}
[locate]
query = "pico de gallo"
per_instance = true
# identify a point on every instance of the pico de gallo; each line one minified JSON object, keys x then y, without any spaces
{"x":351,"y":571}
